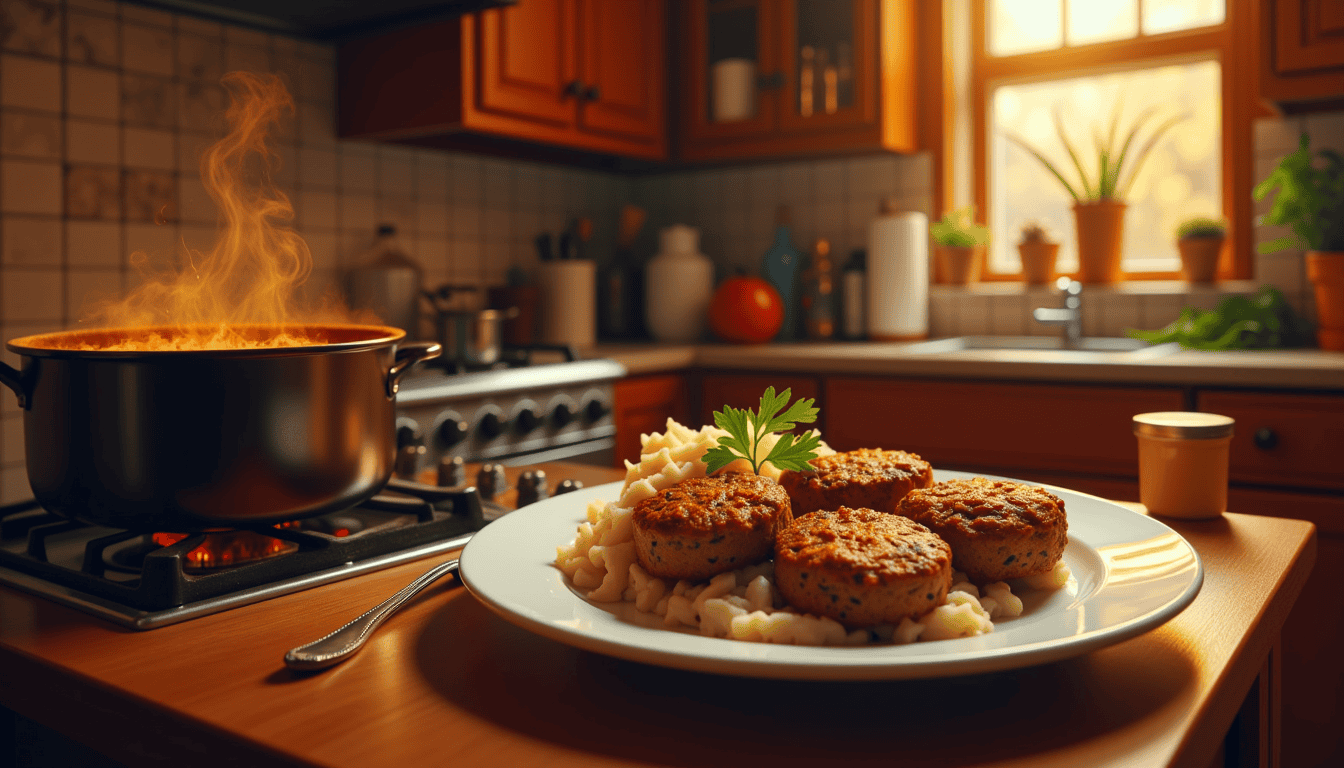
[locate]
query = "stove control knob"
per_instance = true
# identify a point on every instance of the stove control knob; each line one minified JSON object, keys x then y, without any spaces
{"x":452,"y":430}
{"x":531,"y":487}
{"x":490,"y":481}
{"x":452,"y":472}
{"x":490,"y":426}
{"x":566,"y":486}
{"x":408,"y":461}
{"x":408,"y":432}
{"x":561,"y":415}
{"x":527,"y":420}
{"x":594,"y":410}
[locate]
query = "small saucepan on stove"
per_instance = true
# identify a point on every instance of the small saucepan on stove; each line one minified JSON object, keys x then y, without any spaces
{"x":468,"y":337}
{"x":188,"y":440}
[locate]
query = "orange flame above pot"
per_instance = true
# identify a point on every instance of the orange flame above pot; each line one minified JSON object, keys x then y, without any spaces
{"x":251,"y":276}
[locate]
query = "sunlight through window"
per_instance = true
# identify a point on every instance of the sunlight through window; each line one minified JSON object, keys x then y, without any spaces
{"x":1180,"y":178}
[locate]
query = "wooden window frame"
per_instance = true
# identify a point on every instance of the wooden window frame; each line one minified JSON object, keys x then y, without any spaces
{"x":1231,"y":43}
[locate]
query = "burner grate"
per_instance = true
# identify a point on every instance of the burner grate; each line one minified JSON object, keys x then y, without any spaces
{"x":75,"y":556}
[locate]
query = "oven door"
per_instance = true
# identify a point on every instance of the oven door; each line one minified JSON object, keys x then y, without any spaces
{"x":599,"y":452}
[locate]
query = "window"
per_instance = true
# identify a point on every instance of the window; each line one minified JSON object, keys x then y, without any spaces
{"x":1084,"y":60}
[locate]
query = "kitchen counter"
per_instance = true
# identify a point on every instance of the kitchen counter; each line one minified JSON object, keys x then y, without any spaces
{"x":445,"y":682}
{"x":1289,"y":368}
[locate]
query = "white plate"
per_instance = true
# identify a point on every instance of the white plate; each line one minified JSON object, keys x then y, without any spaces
{"x":1133,"y":574}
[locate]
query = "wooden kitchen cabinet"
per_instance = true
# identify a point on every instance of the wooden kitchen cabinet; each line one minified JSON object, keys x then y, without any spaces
{"x":1017,"y":429}
{"x":1283,"y":439}
{"x":829,"y":76}
{"x":643,"y":405}
{"x":744,"y":390}
{"x":1302,"y":53}
{"x":581,"y":74}
{"x":1287,"y":460}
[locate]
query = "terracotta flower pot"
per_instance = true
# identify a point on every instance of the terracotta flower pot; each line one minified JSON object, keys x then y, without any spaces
{"x":1101,"y":229}
{"x":1326,"y":271}
{"x":1038,"y":261}
{"x":1199,"y":258}
{"x":960,"y":263}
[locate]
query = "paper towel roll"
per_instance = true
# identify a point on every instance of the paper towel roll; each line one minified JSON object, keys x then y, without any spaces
{"x":569,"y":302}
{"x":898,"y":276}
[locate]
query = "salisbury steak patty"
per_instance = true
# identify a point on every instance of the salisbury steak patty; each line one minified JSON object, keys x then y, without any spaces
{"x":998,"y":529}
{"x":869,"y":478}
{"x":861,"y":567}
{"x":704,"y":526}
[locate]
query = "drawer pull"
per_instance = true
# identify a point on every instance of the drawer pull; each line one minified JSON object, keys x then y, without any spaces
{"x":1266,"y":438}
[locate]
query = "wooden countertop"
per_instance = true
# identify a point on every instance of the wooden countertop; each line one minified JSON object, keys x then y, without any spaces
{"x":445,"y":682}
{"x":1289,"y":368}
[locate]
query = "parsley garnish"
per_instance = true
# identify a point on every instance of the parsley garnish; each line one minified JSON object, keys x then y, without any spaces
{"x":746,"y":430}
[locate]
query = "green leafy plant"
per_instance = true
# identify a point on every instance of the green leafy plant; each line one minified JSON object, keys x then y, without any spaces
{"x":1262,"y":321}
{"x":1308,"y":198}
{"x":1201,"y":226}
{"x":747,"y":431}
{"x":1109,"y":181}
{"x":958,"y":229}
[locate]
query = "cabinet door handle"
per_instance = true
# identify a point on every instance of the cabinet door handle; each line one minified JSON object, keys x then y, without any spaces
{"x":591,"y":93}
{"x":573,"y":89}
{"x":1265,"y":438}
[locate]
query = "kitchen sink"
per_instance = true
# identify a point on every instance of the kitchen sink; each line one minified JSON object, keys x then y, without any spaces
{"x":1088,"y":347}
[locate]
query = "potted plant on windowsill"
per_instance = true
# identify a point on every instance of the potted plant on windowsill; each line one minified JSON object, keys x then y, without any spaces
{"x":1200,"y":241}
{"x":960,"y":243}
{"x":1038,"y":253}
{"x":1309,"y":200}
{"x":1098,"y":197}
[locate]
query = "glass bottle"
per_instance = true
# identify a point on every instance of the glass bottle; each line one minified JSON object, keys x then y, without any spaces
{"x":852,"y":289}
{"x":780,"y":267}
{"x":819,"y":299}
{"x":387,"y":282}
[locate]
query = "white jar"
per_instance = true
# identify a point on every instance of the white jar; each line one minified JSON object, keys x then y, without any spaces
{"x":678,"y":286}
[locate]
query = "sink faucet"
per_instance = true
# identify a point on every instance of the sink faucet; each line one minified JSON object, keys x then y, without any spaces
{"x":1070,"y":316}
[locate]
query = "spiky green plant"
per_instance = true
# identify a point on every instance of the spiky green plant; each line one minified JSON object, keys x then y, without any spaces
{"x":1201,"y":226}
{"x":1309,"y":199}
{"x":958,"y":228}
{"x":1110,"y":182}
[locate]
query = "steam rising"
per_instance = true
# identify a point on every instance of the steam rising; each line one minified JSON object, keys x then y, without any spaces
{"x":217,"y":300}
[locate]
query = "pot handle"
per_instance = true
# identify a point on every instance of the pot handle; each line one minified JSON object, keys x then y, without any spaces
{"x":13,"y":379}
{"x":408,"y":355}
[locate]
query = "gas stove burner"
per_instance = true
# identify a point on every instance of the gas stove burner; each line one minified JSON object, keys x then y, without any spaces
{"x":145,"y":580}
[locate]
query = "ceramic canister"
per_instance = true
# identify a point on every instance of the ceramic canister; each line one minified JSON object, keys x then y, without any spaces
{"x":678,"y":285}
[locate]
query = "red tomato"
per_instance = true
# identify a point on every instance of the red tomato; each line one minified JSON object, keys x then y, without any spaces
{"x":746,"y":310}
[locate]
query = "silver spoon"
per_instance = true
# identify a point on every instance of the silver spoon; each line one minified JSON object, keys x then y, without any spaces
{"x":344,"y":642}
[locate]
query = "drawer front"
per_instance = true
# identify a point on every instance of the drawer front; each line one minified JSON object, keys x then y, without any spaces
{"x":954,"y":424}
{"x":1283,"y":439}
{"x":744,"y":390}
{"x":643,"y":405}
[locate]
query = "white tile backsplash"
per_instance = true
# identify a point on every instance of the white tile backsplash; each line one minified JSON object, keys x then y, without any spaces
{"x":29,"y":83}
{"x":30,"y":187}
{"x":32,"y":295}
{"x":28,"y":241}
{"x":149,"y":148}
{"x":147,"y":49}
{"x":92,"y":92}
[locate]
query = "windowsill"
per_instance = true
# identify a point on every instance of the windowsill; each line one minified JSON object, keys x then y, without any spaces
{"x":1134,"y":288}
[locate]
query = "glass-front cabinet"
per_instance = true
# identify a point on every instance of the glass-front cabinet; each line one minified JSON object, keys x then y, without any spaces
{"x":797,"y":77}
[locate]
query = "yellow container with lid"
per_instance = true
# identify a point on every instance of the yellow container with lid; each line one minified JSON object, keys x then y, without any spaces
{"x":1183,"y":457}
